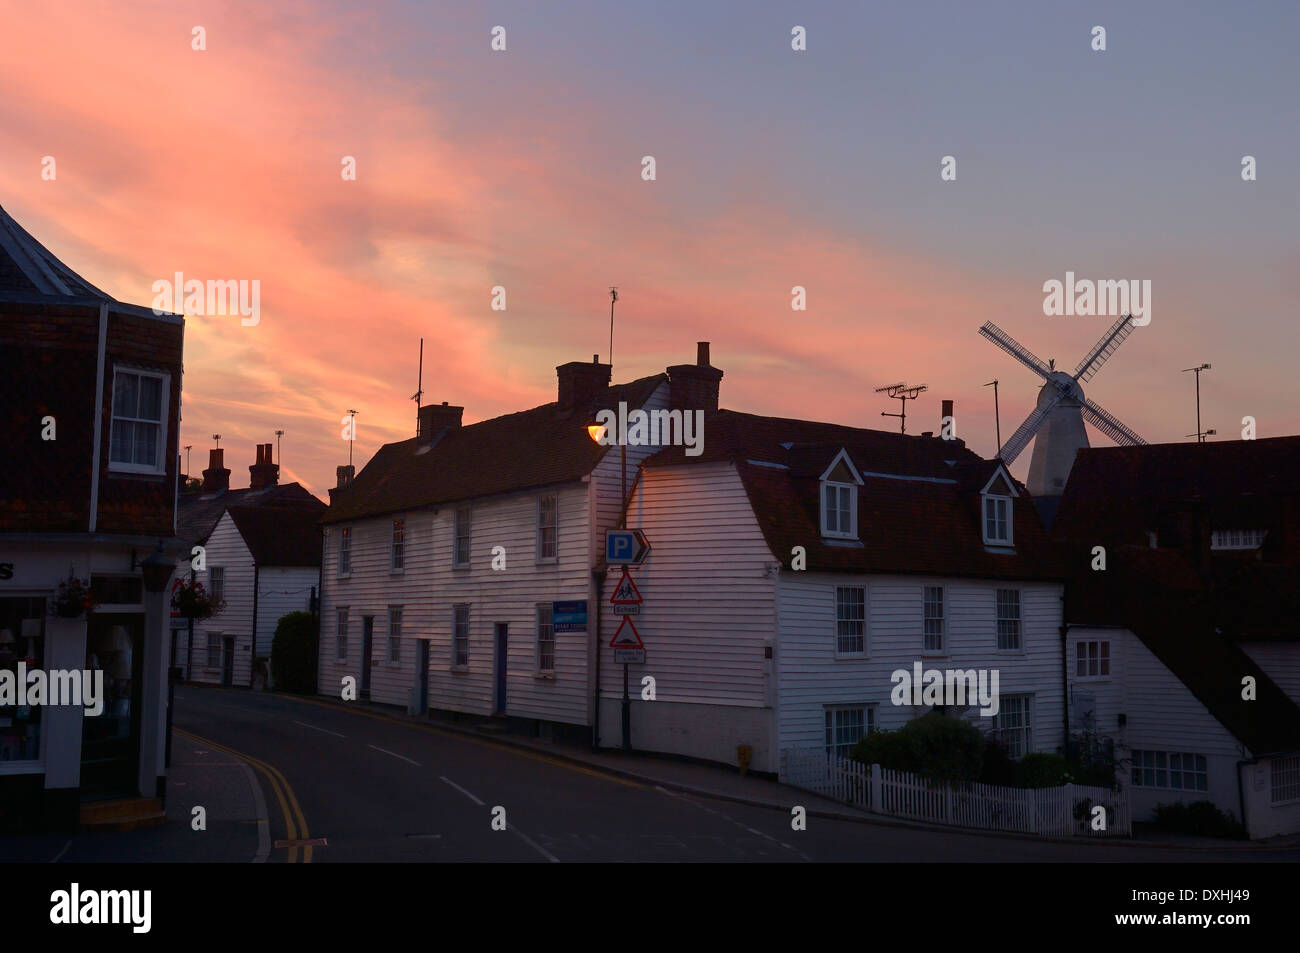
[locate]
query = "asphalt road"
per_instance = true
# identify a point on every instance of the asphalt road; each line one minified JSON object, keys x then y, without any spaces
{"x":278,"y":775}
{"x":380,"y":790}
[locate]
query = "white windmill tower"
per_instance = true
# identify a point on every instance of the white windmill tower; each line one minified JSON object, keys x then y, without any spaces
{"x":1058,"y":419}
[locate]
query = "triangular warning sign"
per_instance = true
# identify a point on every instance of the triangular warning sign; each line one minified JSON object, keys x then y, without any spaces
{"x":627,"y":636}
{"x":626,"y":593}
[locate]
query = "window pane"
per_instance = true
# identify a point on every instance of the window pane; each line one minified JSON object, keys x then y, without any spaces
{"x":121,"y":441}
{"x":146,"y":444}
{"x":150,"y":398}
{"x":126,"y":393}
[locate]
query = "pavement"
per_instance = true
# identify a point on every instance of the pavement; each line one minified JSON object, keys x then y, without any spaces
{"x":287,"y":779}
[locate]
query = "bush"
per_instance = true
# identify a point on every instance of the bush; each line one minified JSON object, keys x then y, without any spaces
{"x":1199,"y":817}
{"x":934,"y":746}
{"x":998,"y":766}
{"x":1041,"y":770}
{"x":293,"y":654}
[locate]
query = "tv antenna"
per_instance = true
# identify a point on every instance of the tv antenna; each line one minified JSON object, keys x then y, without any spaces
{"x":613,"y":296}
{"x":278,"y":435}
{"x":997,"y":419}
{"x":352,"y":433}
{"x":902,"y":392}
{"x":1200,"y":434}
{"x":419,"y":388}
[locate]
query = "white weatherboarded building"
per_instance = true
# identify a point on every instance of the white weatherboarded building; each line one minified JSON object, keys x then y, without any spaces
{"x":796,"y":565}
{"x":446,"y":555}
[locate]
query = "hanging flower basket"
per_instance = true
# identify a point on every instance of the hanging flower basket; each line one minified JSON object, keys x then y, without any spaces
{"x":72,"y":599}
{"x":192,"y":600}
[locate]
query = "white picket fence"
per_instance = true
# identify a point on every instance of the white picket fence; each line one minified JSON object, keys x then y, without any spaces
{"x":1063,"y":811}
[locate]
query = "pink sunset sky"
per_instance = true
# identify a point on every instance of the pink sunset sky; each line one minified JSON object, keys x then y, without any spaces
{"x":774,"y":169}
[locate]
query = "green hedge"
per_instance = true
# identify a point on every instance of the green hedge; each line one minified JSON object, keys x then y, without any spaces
{"x":293,"y":654}
{"x":935,"y":746}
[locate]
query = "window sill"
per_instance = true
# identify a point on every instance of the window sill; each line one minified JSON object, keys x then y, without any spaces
{"x":851,"y":657}
{"x":397,"y":572}
{"x":935,"y":653}
{"x":151,"y":475}
{"x":544,"y":676}
{"x":460,"y":566}
{"x":460,"y":668}
{"x":552,"y":561}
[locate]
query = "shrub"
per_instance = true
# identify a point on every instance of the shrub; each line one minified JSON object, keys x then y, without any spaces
{"x":1041,"y":770}
{"x":934,"y":746}
{"x":998,"y":767}
{"x":293,"y":653}
{"x":1199,"y":817}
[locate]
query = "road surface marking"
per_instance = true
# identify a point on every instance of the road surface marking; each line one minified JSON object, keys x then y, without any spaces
{"x":61,"y":853}
{"x":535,"y":846}
{"x":263,"y":817}
{"x":314,"y":728}
{"x":731,"y":820}
{"x":461,"y":790}
{"x":394,"y":754}
{"x":289,"y":805}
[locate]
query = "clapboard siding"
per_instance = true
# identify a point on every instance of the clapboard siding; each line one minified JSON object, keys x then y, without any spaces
{"x":811,"y":677}
{"x":607,"y":482}
{"x":1161,"y":715}
{"x":280,"y":590}
{"x":429,"y":587}
{"x":371,"y":589}
{"x":708,"y":614}
{"x":226,"y":549}
{"x":1280,"y":661}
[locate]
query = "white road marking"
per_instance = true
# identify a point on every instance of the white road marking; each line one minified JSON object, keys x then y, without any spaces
{"x":314,"y":728}
{"x":461,"y":790}
{"x":394,"y":754}
{"x":733,"y":821}
{"x":535,"y":846}
{"x":263,"y":818}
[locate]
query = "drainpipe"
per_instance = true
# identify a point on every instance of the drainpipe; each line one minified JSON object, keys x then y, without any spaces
{"x":99,"y":419}
{"x":598,"y":577}
{"x":1241,"y":794}
{"x":253,"y":648}
{"x":1065,"y":674}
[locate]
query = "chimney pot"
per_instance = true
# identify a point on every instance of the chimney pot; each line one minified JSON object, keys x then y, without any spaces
{"x":435,"y":417}
{"x":694,"y":386}
{"x":581,"y":383}
{"x":344,"y":475}
{"x":702,"y":353}
{"x":263,"y":473}
{"x":216,"y":476}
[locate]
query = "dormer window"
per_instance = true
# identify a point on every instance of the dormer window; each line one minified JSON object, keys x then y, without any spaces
{"x":996,"y":502}
{"x":839,"y":498}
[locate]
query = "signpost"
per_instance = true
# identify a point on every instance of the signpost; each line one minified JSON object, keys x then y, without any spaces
{"x":630,"y":548}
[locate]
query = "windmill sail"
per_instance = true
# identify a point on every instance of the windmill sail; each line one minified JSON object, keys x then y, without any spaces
{"x":1025,"y":432}
{"x":1109,"y":425}
{"x":1100,"y":354}
{"x":1009,"y":344}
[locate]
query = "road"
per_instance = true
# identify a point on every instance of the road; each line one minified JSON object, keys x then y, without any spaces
{"x":345,"y":785}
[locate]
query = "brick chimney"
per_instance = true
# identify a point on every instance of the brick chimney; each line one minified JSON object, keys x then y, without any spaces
{"x":694,"y":386}
{"x":216,"y":476}
{"x":437,"y":416}
{"x":344,"y":475}
{"x":263,"y":473}
{"x":581,"y":384}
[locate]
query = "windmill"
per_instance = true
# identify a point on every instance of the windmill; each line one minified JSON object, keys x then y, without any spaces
{"x":1058,"y":418}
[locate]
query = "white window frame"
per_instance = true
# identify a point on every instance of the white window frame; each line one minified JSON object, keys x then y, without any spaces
{"x":851,"y":653}
{"x":344,"y":555}
{"x":987,"y":498}
{"x":159,"y":465}
{"x":462,"y":528}
{"x":217,"y":591}
{"x":1284,"y":780}
{"x":213,"y":646}
{"x":832,"y":744}
{"x":1018,"y":620}
{"x":341,"y":634}
{"x":1237,"y":538}
{"x":1164,"y":765}
{"x":394,"y":635}
{"x":460,"y":639}
{"x":554,"y":527}
{"x":927,"y":618}
{"x":841,"y":491}
{"x":545,"y":636}
{"x":1023,"y":733}
{"x":397,"y":546}
{"x":1096,"y":656}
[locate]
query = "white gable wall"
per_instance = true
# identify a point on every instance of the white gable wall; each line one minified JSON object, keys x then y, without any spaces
{"x":226,"y":549}
{"x":708,"y":615}
{"x":1161,"y":715}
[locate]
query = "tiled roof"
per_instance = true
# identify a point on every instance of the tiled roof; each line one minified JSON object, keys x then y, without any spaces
{"x":281,"y":535}
{"x":918,"y":510}
{"x":539,"y":447}
{"x":1159,"y":596}
{"x":28,"y":266}
{"x":1116,"y":492}
{"x":198,"y":513}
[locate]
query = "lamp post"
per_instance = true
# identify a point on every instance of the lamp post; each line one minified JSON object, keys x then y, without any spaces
{"x":597,"y":433}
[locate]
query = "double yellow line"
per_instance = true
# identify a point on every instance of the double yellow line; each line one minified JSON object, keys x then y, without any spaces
{"x":283,"y":793}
